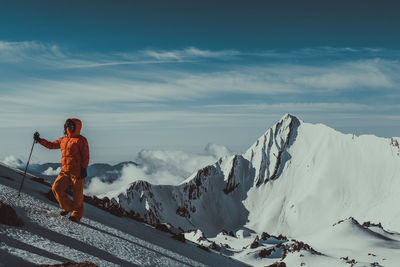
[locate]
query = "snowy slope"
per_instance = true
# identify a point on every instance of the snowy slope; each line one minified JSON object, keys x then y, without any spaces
{"x":296,"y":171}
{"x":104,"y":239}
{"x":297,"y":179}
{"x":329,"y":176}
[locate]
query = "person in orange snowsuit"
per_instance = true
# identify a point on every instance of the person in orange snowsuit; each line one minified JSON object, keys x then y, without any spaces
{"x":74,"y":162}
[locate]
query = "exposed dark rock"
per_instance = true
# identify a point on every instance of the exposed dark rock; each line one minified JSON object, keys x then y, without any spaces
{"x":180,"y":237}
{"x":182,"y":211}
{"x":70,"y":264}
{"x":394,"y":143}
{"x":352,"y":261}
{"x":265,"y":236}
{"x":192,"y":209}
{"x":277,"y":264}
{"x":195,"y":187}
{"x":369,"y":224}
{"x":202,"y":236}
{"x":284,"y":252}
{"x":280,"y":237}
{"x":214,"y":246}
{"x":8,"y":216}
{"x":162,"y":227}
{"x":298,"y":245}
{"x":255,"y":243}
{"x":350,"y":218}
{"x":223,"y":232}
{"x":151,"y":217}
{"x":113,"y":208}
{"x":294,"y":123}
{"x":231,"y":185}
{"x":204,"y":248}
{"x":168,"y":228}
{"x":266,"y":252}
{"x":277,"y":164}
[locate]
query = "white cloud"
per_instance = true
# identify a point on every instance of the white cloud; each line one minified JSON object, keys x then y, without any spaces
{"x":362,"y":74}
{"x":13,"y":161}
{"x":158,"y":167}
{"x":122,"y":93}
{"x":51,"y":171}
{"x":22,"y":52}
{"x":189,"y":53}
{"x":296,"y":107}
{"x":183,"y":85}
{"x":50,"y":56}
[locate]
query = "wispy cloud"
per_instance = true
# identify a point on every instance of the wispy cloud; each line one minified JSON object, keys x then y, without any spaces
{"x":52,"y":56}
{"x":190,"y":89}
{"x":120,"y":94}
{"x":189,"y":53}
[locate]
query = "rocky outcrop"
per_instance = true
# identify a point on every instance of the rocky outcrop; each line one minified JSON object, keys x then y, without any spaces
{"x":196,"y":187}
{"x":232,"y":184}
{"x":277,"y":264}
{"x":8,"y":216}
{"x":265,"y":236}
{"x":296,"y":246}
{"x":266,"y":252}
{"x":281,"y":158}
{"x":180,"y":237}
{"x":370,"y":224}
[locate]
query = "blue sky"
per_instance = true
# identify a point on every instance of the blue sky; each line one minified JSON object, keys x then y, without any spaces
{"x":169,"y":75}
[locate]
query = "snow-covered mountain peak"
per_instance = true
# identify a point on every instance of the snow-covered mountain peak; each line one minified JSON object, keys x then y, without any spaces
{"x":300,"y":180}
{"x":269,"y":153}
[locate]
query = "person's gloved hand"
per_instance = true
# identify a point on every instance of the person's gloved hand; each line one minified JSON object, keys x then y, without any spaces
{"x":36,"y":137}
{"x":83,"y":173}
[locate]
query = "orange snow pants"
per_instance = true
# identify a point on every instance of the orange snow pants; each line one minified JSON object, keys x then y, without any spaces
{"x":63,"y":181}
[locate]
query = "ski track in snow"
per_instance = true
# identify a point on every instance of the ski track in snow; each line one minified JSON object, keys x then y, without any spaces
{"x":45,"y":230}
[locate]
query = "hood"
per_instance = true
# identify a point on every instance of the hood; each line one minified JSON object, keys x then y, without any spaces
{"x":78,"y":127}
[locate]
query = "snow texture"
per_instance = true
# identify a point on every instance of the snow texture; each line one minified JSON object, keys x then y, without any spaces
{"x":104,"y":239}
{"x":297,"y":179}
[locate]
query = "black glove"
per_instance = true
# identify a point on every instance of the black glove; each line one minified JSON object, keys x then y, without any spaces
{"x":36,"y":137}
{"x":83,"y":173}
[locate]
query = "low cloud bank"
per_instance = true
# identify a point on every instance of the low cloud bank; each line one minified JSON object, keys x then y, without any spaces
{"x":51,"y":172}
{"x":158,"y":167}
{"x":13,"y":162}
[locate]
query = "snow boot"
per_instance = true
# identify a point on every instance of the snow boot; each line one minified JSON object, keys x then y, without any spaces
{"x":73,"y":219}
{"x":63,"y":213}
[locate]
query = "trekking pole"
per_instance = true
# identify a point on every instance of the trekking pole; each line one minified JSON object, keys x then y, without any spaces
{"x":26,"y":168}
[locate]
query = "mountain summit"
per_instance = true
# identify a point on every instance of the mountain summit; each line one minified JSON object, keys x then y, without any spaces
{"x":295,"y":179}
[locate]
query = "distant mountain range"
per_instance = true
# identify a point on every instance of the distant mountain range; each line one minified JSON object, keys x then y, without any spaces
{"x":298,"y":179}
{"x":105,"y":172}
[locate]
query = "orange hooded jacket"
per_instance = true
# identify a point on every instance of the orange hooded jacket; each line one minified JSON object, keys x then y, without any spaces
{"x":74,"y":149}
